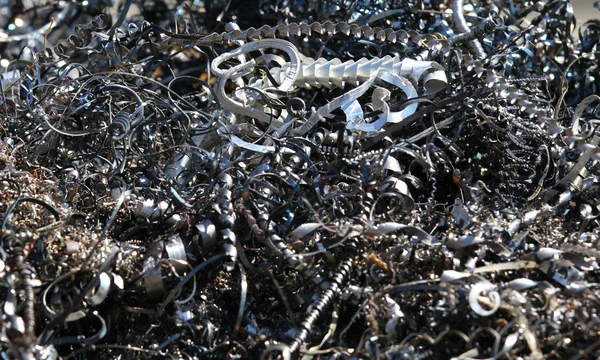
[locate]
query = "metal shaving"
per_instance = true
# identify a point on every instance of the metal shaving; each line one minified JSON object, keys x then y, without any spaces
{"x":350,"y":179}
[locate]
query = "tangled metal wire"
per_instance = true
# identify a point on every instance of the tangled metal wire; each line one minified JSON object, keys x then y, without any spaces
{"x":344,"y":179}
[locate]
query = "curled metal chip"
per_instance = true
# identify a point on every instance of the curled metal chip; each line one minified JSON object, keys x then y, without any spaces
{"x":176,"y":251}
{"x":98,"y":294}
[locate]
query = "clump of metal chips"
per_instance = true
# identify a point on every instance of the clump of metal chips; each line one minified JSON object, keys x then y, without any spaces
{"x":299,"y":179}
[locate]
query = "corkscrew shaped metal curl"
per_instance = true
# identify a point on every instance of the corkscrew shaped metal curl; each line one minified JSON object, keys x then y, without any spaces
{"x":588,"y":148}
{"x":120,"y":126}
{"x":123,"y":122}
{"x":349,"y":104}
{"x":326,"y":296}
{"x":326,"y":29}
{"x":461,"y":25}
{"x":335,"y":73}
{"x":84,"y":33}
{"x":324,"y":300}
{"x":227,"y":219}
{"x":25,"y":274}
{"x":478,"y":32}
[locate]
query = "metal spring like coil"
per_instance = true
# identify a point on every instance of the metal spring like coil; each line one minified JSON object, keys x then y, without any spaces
{"x":371,"y":155}
{"x":327,"y":29}
{"x":332,"y":150}
{"x":324,"y":137}
{"x":523,"y":158}
{"x":366,"y":203}
{"x":294,"y":29}
{"x":227,"y":219}
{"x":120,"y":126}
{"x":29,"y":305}
{"x":462,"y":26}
{"x":526,"y":80}
{"x":10,"y":240}
{"x":81,"y":39}
{"x":585,"y":143}
{"x":507,"y":91}
{"x":7,"y":238}
{"x":326,"y":296}
{"x":335,"y":73}
{"x":513,"y":189}
{"x":481,"y":30}
{"x":434,"y":189}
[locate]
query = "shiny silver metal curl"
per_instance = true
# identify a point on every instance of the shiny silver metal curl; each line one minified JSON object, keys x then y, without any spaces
{"x":335,"y":73}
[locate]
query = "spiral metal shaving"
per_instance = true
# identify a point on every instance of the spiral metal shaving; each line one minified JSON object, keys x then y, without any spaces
{"x":331,"y":179}
{"x":335,"y":73}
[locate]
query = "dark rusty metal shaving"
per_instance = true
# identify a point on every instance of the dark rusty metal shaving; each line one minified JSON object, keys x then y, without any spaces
{"x":299,"y":180}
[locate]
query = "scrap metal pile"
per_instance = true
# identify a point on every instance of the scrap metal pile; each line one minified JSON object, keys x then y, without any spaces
{"x":339,"y":179}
